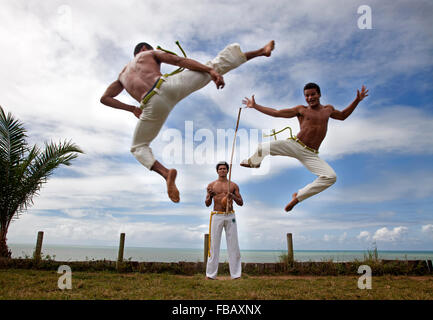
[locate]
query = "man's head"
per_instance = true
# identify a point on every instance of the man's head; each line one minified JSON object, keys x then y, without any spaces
{"x":312,"y":94}
{"x":222,"y":168}
{"x":141,"y":46}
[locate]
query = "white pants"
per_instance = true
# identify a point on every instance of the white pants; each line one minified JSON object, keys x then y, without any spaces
{"x":325,"y":174}
{"x":228,"y":222}
{"x":173,"y":89}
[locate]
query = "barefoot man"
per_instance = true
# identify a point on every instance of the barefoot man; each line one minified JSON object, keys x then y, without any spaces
{"x":313,"y":121}
{"x":217,"y":190}
{"x":158,"y":94}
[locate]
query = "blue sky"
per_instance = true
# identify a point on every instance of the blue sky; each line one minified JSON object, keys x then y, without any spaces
{"x":58,"y":57}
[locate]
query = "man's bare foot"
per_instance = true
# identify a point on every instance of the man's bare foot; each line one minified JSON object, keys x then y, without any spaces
{"x":208,"y":278}
{"x":292,"y":203}
{"x":267,"y":49}
{"x":173,"y":192}
{"x":248,"y":164}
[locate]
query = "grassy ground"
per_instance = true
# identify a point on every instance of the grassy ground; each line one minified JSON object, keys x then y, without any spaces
{"x":37,"y":284}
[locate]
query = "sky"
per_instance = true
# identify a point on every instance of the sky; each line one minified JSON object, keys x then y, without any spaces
{"x":58,"y":57}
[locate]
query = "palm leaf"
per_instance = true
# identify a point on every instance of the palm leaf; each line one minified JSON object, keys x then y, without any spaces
{"x":24,"y":170}
{"x":14,"y":188}
{"x":12,"y":139}
{"x":12,"y":148}
{"x":40,"y":168}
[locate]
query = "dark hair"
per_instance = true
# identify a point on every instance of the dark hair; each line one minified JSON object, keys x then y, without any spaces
{"x":141,"y":45}
{"x":312,"y":85}
{"x":222,"y":163}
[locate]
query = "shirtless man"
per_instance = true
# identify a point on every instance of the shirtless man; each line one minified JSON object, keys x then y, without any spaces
{"x":217,"y":190}
{"x":158,"y":94}
{"x":313,"y":121}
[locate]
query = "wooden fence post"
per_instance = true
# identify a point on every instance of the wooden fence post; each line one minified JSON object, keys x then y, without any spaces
{"x":121,"y":248}
{"x":38,"y":249}
{"x":206,"y":249}
{"x":290,"y":248}
{"x":430,"y":266}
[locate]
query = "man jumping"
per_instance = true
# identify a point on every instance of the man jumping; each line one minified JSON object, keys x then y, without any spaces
{"x":313,"y":121}
{"x":158,"y":94}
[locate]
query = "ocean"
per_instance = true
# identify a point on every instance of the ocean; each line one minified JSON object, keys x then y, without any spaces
{"x":88,"y":253}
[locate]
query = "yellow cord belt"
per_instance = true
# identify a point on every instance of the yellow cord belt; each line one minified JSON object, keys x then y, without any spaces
{"x":274,"y":134}
{"x":155,"y":88}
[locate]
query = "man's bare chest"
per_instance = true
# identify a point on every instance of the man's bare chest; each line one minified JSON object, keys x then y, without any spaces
{"x":221,"y":187}
{"x":315,"y":117}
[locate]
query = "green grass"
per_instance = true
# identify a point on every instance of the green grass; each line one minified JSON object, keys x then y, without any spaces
{"x":41,"y":284}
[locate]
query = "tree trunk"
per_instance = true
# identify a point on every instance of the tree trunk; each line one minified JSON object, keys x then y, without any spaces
{"x":4,"y":250}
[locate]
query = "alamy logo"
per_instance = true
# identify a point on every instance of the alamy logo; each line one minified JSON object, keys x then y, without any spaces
{"x":365,"y":20}
{"x":206,"y":146}
{"x":364,"y":281}
{"x":65,"y":281}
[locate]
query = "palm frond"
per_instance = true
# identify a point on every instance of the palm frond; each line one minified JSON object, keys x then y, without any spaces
{"x":41,"y":168}
{"x":12,"y":139}
{"x":12,"y":148}
{"x":11,"y":194}
{"x":24,"y":170}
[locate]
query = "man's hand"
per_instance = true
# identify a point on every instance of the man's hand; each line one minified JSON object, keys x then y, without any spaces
{"x":361,"y":95}
{"x":230,"y":196}
{"x":249,"y":103}
{"x":137,"y":112}
{"x":210,"y":192}
{"x":217,"y":78}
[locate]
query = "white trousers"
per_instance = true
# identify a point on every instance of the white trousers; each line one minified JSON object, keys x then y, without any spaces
{"x":174,"y":89}
{"x":325,"y":174}
{"x":228,"y":223}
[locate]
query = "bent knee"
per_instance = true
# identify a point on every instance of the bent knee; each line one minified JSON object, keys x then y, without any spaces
{"x":144,"y":155}
{"x":330,"y":179}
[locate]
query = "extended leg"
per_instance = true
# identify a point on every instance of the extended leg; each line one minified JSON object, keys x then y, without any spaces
{"x":228,"y":59}
{"x":274,"y":148}
{"x":265,"y":51}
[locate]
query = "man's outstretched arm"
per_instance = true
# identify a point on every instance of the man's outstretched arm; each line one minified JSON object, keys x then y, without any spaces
{"x":283,"y":113}
{"x":112,"y":91}
{"x":342,"y":115}
{"x":190,"y":64}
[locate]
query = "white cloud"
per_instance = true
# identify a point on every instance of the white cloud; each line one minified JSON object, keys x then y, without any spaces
{"x":58,"y":59}
{"x":343,"y":237}
{"x":395,"y":129}
{"x":329,"y":238}
{"x":364,"y":235}
{"x":428,"y":229}
{"x":70,"y":231}
{"x":387,"y":186}
{"x":396,"y":234}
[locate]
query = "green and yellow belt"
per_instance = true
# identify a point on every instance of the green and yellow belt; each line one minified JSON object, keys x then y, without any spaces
{"x":158,"y":83}
{"x":294,"y":138}
{"x":151,"y":92}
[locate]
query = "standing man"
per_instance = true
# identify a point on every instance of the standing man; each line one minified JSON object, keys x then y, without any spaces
{"x":313,"y":121}
{"x":158,"y":94}
{"x":217,"y":190}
